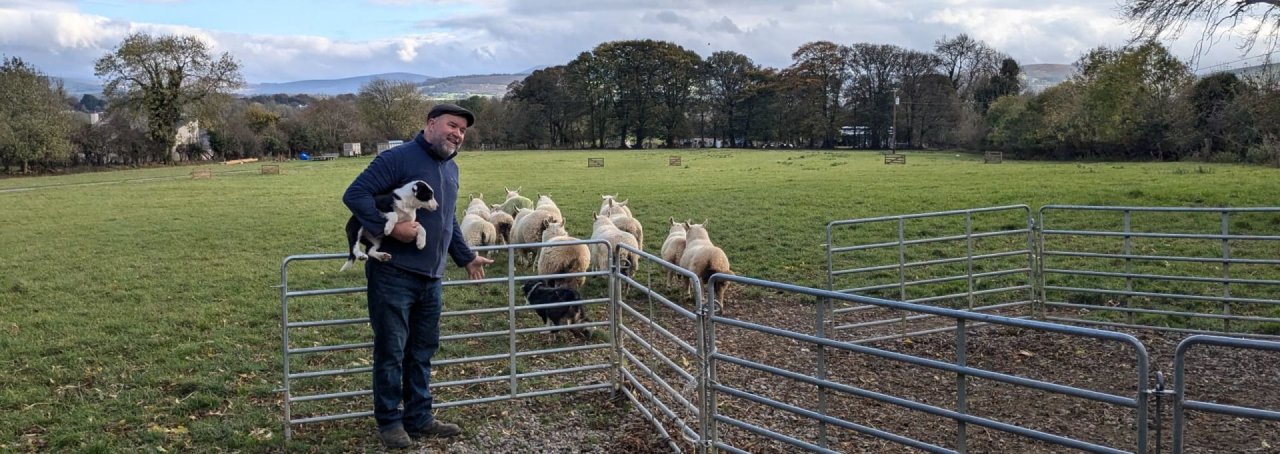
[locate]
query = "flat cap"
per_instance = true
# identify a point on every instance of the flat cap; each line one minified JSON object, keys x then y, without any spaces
{"x":451,"y":109}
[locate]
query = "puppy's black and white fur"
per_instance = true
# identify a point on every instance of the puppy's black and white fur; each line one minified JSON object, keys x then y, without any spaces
{"x":400,"y":205}
{"x":538,"y":293}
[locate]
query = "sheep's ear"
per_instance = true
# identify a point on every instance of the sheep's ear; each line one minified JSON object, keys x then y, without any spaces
{"x":506,"y":189}
{"x":481,"y":196}
{"x":704,"y":222}
{"x":673,"y":220}
{"x":518,"y":188}
{"x":624,"y":202}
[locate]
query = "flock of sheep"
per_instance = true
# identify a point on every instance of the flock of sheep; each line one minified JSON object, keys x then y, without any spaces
{"x":519,"y":220}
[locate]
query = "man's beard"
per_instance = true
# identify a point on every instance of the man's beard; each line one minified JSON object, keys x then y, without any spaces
{"x":444,"y":149}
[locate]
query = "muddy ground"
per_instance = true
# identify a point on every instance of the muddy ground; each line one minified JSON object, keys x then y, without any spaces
{"x":599,"y":421}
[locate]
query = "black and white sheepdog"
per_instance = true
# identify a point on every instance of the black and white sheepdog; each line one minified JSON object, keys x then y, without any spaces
{"x":400,"y":205}
{"x":539,"y":293}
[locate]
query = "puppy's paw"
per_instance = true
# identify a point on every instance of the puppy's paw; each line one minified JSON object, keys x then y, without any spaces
{"x":381,"y":256}
{"x":422,"y":241}
{"x":388,"y":228}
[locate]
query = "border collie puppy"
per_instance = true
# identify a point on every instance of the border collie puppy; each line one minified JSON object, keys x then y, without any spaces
{"x":400,"y":205}
{"x":538,"y":292}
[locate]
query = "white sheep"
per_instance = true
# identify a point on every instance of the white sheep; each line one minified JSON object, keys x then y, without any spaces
{"x":546,"y":204}
{"x":673,"y":247}
{"x":621,"y":216}
{"x":611,"y":201}
{"x":477,"y":231}
{"x":529,"y":225}
{"x":502,"y":222}
{"x":604,"y":229}
{"x":563,"y":259}
{"x":704,"y":259}
{"x":478,"y":207}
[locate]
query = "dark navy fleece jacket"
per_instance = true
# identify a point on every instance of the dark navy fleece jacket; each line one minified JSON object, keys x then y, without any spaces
{"x":394,"y":168}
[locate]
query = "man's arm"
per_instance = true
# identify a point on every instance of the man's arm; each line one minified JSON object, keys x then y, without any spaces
{"x":378,"y":178}
{"x":458,"y":248}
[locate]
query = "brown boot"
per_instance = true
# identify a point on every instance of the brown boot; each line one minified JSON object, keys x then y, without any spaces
{"x":436,"y":429}
{"x":395,"y":438}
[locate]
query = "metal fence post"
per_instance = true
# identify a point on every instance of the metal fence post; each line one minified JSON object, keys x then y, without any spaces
{"x":1128,"y":264}
{"x":1226,"y":270}
{"x":962,"y":401}
{"x":284,"y":349}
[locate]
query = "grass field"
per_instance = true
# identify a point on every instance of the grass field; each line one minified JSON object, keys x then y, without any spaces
{"x":138,"y":313}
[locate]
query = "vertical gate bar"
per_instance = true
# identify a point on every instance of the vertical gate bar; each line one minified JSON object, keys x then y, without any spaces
{"x":711,"y":408}
{"x":1033,"y":260}
{"x":968,"y":240}
{"x":511,"y":319}
{"x":1038,"y":310}
{"x":615,"y":338}
{"x":902,"y":270}
{"x":704,"y":358}
{"x":1128,"y":266}
{"x":831,"y":280}
{"x":1142,"y":398}
{"x":1179,"y":393}
{"x":962,"y":401}
{"x":820,"y":332}
{"x":284,"y":347}
{"x":1226,"y":270}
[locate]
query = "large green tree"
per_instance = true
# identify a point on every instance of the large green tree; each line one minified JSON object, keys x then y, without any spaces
{"x":817,"y":77}
{"x":165,"y":79}
{"x":34,"y":124}
{"x":391,"y":109}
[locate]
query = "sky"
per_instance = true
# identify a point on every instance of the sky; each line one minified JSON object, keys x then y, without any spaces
{"x":288,"y":40}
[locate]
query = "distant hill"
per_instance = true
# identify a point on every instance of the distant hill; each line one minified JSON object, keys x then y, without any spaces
{"x":461,"y":87}
{"x":328,"y":86}
{"x":79,"y":87}
{"x":1036,"y":78}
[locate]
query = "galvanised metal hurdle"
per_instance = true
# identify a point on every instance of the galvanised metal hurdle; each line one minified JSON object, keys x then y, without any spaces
{"x":1180,"y":401}
{"x":513,"y":357}
{"x":1135,"y":400}
{"x":1225,"y":284}
{"x":979,"y":260}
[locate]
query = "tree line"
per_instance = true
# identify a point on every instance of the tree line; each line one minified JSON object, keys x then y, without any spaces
{"x":1132,"y":102}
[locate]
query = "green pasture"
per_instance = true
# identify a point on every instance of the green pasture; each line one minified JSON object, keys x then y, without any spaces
{"x":138,"y":308}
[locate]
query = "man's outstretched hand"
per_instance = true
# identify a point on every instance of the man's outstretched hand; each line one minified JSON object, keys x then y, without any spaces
{"x":475,"y":269}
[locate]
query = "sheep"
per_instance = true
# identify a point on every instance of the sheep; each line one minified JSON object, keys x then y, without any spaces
{"x":612,"y":201}
{"x":515,"y":201}
{"x":477,"y":231}
{"x":528,"y":228}
{"x":478,"y":207}
{"x":502,"y":222}
{"x":673,"y":247}
{"x":563,"y":259}
{"x":703,"y":259}
{"x":622,"y":218}
{"x":605,"y":229}
{"x":545,"y":203}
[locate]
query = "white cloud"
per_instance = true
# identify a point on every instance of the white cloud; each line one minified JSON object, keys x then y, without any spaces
{"x":492,"y":36}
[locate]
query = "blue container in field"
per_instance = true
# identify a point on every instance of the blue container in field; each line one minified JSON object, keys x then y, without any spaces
{"x":304,"y":156}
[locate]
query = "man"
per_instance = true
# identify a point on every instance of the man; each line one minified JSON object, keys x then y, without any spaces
{"x":404,"y":293}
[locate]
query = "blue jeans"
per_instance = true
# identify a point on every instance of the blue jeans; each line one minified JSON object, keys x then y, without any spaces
{"x":404,"y":311}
